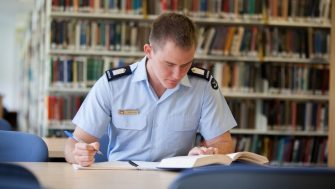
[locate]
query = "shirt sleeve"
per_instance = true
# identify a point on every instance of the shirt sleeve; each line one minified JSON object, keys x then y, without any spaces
{"x":216,"y":117}
{"x":94,"y":114}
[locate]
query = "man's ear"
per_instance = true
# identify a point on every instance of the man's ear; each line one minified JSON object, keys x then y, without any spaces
{"x":148,"y":50}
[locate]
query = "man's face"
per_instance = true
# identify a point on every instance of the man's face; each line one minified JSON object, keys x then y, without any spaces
{"x":171,"y":63}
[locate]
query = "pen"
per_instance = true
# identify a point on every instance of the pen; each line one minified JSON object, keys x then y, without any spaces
{"x":132,"y":163}
{"x":70,"y":135}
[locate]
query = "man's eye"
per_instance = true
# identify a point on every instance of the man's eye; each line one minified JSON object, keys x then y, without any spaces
{"x":185,"y":65}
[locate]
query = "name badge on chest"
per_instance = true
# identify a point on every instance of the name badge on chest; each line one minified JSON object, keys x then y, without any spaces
{"x":129,"y":112}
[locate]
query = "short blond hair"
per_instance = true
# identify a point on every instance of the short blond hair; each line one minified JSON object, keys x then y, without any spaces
{"x":175,"y":27}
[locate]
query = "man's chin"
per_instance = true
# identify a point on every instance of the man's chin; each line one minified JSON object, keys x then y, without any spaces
{"x":170,"y":85}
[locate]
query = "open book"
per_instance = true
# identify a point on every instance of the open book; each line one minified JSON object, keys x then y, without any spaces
{"x":183,"y":162}
{"x":179,"y":162}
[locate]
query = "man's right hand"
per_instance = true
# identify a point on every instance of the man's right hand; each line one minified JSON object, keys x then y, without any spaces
{"x":81,"y":153}
{"x":84,"y":153}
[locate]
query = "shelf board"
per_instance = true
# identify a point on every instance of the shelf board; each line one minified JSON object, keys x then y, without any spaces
{"x":66,"y":90}
{"x":137,"y":54}
{"x":277,"y":133}
{"x":229,"y":94}
{"x":303,"y":23}
{"x":201,"y":20}
{"x":95,"y":53}
{"x":226,"y":58}
{"x":226,"y":94}
{"x":277,"y":163}
{"x":297,"y":60}
{"x":62,"y":125}
{"x":225,"y":21}
{"x":93,"y":15}
{"x":67,"y":124}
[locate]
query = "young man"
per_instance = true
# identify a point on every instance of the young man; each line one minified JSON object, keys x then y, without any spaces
{"x":153,"y":109}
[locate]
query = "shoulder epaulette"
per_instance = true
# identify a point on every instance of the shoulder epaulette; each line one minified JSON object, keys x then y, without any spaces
{"x":118,"y":72}
{"x":200,"y":72}
{"x":205,"y":74}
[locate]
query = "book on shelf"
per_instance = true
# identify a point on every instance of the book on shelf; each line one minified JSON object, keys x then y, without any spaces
{"x":246,"y":41}
{"x":98,"y":35}
{"x":303,"y":150}
{"x":81,"y":72}
{"x":180,"y":162}
{"x":317,"y":11}
{"x":274,"y":78}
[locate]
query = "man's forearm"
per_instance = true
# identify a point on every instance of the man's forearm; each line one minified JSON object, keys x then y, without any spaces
{"x":223,"y":143}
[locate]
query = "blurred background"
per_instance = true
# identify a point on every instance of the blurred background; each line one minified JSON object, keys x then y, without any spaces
{"x":13,"y":22}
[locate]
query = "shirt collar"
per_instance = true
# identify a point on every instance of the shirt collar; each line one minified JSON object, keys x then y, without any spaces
{"x":140,"y":73}
{"x":185,"y":81}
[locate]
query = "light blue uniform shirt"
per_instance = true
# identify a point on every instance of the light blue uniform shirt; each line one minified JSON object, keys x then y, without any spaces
{"x":142,"y":126}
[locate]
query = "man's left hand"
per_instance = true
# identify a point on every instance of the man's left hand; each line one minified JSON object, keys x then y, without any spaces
{"x":202,"y":150}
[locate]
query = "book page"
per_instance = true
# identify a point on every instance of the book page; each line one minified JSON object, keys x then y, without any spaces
{"x":248,"y":157}
{"x":147,"y":165}
{"x":180,"y":161}
{"x":183,"y":162}
{"x":118,"y":165}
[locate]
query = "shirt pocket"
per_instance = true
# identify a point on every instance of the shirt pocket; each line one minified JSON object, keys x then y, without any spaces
{"x":182,"y":123}
{"x":130,"y":122}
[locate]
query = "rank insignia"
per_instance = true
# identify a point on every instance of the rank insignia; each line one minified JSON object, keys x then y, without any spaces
{"x":214,"y":83}
{"x":118,"y":72}
{"x":205,"y":74}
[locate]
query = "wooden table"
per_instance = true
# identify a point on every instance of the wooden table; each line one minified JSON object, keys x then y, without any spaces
{"x":61,"y":175}
{"x":55,"y":147}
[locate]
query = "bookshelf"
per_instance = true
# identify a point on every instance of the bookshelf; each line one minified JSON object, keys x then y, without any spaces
{"x":54,"y":90}
{"x":331,"y":133}
{"x":32,"y":56}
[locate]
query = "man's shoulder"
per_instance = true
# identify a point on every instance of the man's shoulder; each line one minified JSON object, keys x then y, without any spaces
{"x":203,"y":74}
{"x":200,"y":73}
{"x":116,"y":73}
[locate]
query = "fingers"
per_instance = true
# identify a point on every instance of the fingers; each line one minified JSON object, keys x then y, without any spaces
{"x":203,"y":151}
{"x":216,"y":150}
{"x":84,"y":153}
{"x":84,"y":161}
{"x":95,"y":145}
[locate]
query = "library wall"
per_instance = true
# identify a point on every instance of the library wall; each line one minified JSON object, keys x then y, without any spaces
{"x":8,"y":78}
